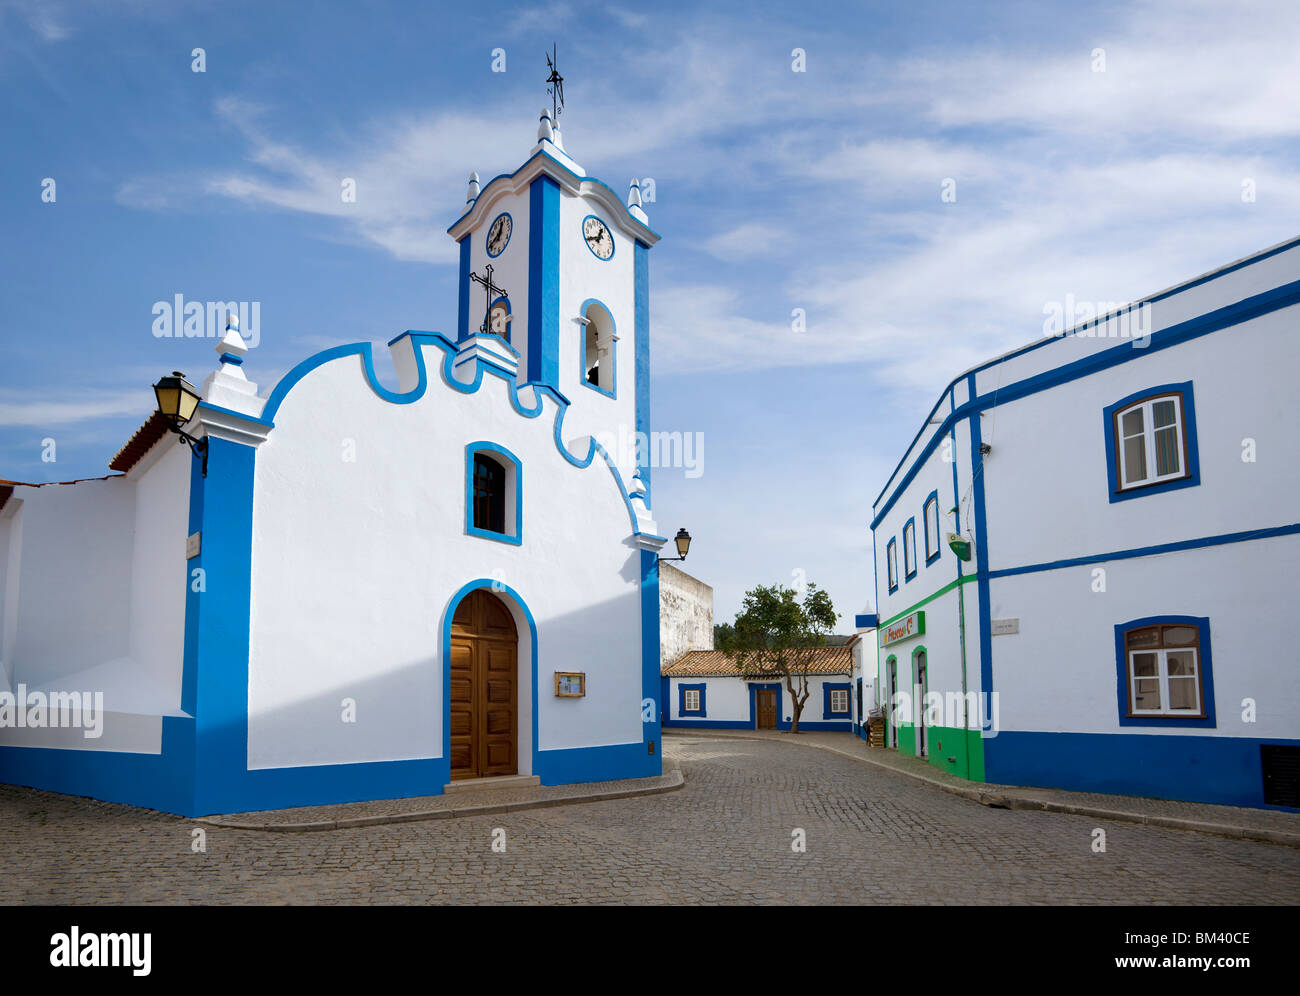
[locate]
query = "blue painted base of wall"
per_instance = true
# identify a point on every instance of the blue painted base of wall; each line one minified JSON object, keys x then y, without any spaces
{"x":597,"y":764}
{"x":1222,"y":770}
{"x":156,"y":781}
{"x":168,"y":781}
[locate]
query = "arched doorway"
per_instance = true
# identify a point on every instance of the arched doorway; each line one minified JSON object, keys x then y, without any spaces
{"x":483,"y":701}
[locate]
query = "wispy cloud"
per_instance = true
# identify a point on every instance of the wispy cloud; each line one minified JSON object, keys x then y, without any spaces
{"x":27,"y":409}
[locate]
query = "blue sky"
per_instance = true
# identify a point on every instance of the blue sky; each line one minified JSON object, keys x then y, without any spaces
{"x":775,"y":190}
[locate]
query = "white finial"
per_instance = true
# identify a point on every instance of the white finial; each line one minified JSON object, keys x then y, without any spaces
{"x":634,"y":207}
{"x":472,"y":193}
{"x":544,"y":131}
{"x":232,"y":347}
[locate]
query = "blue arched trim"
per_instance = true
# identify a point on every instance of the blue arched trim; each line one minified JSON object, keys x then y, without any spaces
{"x":420,"y":340}
{"x":613,"y":350}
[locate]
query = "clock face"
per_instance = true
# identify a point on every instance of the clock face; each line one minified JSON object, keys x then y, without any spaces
{"x":599,"y":241}
{"x":499,"y":235}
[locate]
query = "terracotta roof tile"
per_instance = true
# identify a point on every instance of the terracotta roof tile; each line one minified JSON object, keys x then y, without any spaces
{"x":154,"y":428}
{"x":828,"y":660}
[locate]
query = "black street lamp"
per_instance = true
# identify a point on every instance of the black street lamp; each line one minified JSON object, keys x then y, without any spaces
{"x":683,"y":540}
{"x":177,"y":402}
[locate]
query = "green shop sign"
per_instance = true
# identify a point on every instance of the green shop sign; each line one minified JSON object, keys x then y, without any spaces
{"x":903,"y":629}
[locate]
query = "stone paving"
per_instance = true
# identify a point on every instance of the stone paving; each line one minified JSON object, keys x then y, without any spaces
{"x":1258,"y":824}
{"x":871,"y":837}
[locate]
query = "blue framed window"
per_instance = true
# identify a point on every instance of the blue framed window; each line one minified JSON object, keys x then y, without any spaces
{"x":690,"y":700}
{"x":930,"y":516}
{"x":1151,"y":442}
{"x":835,"y":700}
{"x":1164,"y":674}
{"x":909,"y":549}
{"x":494,"y":493}
{"x":891,"y":564}
{"x":598,"y":355}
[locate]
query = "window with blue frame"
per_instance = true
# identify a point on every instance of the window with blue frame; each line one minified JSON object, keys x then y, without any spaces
{"x":891,"y":560}
{"x":909,"y":550}
{"x":930,"y":513}
{"x":690,"y":700}
{"x":1151,"y":442}
{"x":493,"y":493}
{"x":835,"y":701}
{"x":1164,"y":677}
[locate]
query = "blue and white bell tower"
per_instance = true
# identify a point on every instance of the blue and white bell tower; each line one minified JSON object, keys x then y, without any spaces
{"x":566,"y":303}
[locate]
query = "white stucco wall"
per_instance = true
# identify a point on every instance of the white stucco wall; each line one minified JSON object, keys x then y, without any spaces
{"x":94,"y":598}
{"x":354,"y":564}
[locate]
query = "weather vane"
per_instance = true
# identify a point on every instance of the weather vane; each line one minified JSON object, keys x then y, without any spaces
{"x":556,"y":81}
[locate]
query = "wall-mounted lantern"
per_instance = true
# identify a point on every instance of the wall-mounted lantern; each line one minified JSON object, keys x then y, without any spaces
{"x":177,"y":402}
{"x":683,"y":540}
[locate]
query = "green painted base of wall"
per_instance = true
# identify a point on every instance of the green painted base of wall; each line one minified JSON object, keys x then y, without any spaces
{"x":965,"y":747}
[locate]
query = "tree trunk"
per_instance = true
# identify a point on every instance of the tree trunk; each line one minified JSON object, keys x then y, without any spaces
{"x":796,"y":702}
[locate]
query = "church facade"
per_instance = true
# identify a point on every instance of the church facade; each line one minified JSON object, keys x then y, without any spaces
{"x":373,"y":582}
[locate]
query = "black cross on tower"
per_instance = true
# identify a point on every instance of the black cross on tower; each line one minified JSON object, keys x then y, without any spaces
{"x":491,"y":290}
{"x":556,"y":88}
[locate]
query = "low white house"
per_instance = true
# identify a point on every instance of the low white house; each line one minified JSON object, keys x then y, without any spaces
{"x":1125,"y":494}
{"x":357,"y":590}
{"x":705,"y":689}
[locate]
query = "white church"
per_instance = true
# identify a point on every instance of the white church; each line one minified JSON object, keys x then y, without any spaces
{"x":344,"y":590}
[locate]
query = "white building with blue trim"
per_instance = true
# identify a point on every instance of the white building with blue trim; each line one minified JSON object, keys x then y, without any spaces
{"x":709,"y":689}
{"x":1126,"y":492}
{"x":371,"y":584}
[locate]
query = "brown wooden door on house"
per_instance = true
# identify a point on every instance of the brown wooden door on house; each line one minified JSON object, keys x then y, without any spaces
{"x":765,"y":706}
{"x":484,"y":699}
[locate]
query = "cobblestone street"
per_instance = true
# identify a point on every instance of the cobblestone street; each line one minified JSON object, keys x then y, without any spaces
{"x":872,"y":837}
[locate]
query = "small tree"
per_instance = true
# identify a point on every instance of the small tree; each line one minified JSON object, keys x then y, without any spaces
{"x":777,"y":636}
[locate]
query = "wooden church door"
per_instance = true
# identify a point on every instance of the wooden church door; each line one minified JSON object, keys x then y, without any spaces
{"x":483,"y":710}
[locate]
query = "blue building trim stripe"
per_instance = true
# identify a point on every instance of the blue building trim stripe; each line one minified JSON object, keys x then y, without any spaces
{"x":222,"y":624}
{"x":1245,"y":536}
{"x":462,"y":304}
{"x":981,"y":549}
{"x":641,"y":274}
{"x":544,"y":282}
{"x":651,"y":685}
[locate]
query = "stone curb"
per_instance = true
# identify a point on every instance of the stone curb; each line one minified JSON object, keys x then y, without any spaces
{"x":1010,"y":800}
{"x":674,"y":780}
